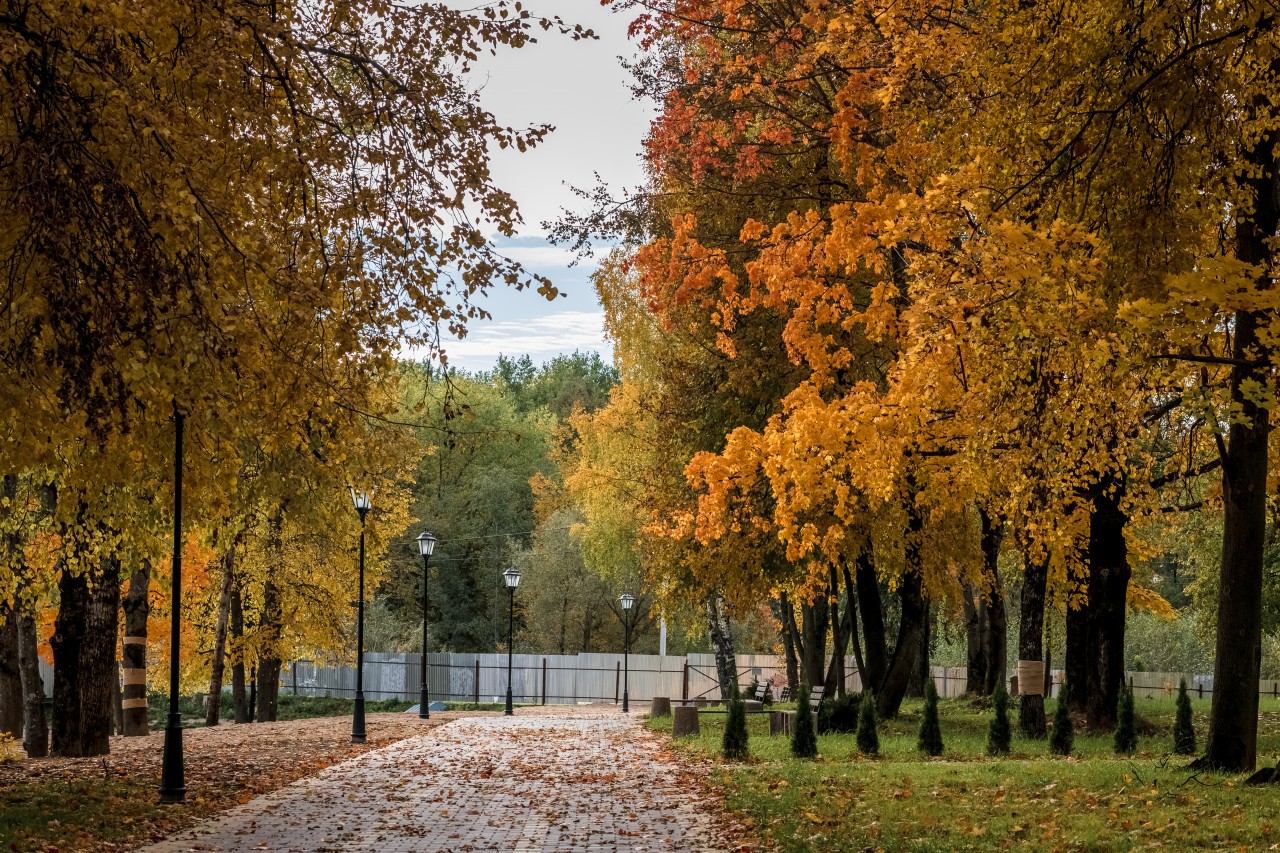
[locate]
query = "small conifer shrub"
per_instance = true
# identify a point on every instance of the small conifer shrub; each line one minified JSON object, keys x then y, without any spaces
{"x":1184,"y":733}
{"x":804,"y":737}
{"x":1126,"y":737}
{"x":1063,"y":730}
{"x":735,"y":731}
{"x":930,"y":741}
{"x":868,"y":738}
{"x":999,"y":735}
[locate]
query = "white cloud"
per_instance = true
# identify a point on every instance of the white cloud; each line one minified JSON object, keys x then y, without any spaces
{"x":544,"y":257}
{"x":541,"y":338}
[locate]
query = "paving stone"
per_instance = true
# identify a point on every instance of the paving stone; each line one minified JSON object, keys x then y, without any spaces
{"x":569,"y":782}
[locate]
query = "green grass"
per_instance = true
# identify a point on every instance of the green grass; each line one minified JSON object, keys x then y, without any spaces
{"x":288,"y":707}
{"x":964,"y":800}
{"x":80,"y":813}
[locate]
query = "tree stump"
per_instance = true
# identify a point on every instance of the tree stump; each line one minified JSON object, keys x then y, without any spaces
{"x":661,"y":707}
{"x":780,"y":722}
{"x":686,"y":721}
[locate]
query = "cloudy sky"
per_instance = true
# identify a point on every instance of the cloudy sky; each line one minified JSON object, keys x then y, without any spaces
{"x":581,"y":89}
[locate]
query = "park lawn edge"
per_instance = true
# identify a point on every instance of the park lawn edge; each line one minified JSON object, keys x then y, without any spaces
{"x":967,"y":800}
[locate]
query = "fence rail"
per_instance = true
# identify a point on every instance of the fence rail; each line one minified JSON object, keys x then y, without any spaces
{"x":598,"y":677}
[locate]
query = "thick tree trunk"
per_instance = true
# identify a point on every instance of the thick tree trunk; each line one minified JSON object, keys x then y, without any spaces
{"x":217,"y":666}
{"x":1233,"y":719}
{"x":877,"y":648}
{"x":722,"y":645}
{"x":813,"y":630}
{"x":1031,"y":642}
{"x":903,"y":668}
{"x":1108,"y":595}
{"x":269,"y":661}
{"x":790,"y":636}
{"x":133,"y":654}
{"x":66,"y":642}
{"x":35,"y":731}
{"x":98,"y":666}
{"x":10,"y":675}
{"x":238,"y":698}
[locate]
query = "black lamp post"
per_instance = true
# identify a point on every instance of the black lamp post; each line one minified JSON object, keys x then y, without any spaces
{"x":173,"y":786}
{"x":511,"y":577}
{"x":627,"y":601}
{"x":426,"y":544}
{"x":362,"y":505}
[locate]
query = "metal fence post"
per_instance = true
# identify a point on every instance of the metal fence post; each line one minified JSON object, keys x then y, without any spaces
{"x":617,"y":680}
{"x":544,"y":681}
{"x":477,"y":681}
{"x":684,"y":689}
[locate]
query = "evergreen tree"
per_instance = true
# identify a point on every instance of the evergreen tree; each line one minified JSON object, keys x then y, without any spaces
{"x":868,"y":739}
{"x":930,"y":742}
{"x":1063,"y":729}
{"x":804,"y":738}
{"x":735,"y":730}
{"x":1184,"y":733}
{"x":998,"y":735}
{"x":1126,"y":738}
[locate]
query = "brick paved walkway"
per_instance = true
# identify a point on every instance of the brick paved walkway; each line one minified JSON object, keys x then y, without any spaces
{"x":572,"y":782}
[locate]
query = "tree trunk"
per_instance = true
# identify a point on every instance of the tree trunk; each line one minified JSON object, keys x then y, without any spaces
{"x":269,"y":661}
{"x":1233,"y":719}
{"x":137,"y":608}
{"x":813,"y":630}
{"x":98,"y":665}
{"x":851,"y":609}
{"x":834,"y":682}
{"x":237,"y":657}
{"x":1076,"y":666}
{"x":790,"y":636}
{"x":995,"y":626}
{"x":915,"y":687}
{"x":1031,"y":642}
{"x":975,"y":636}
{"x":10,"y":675}
{"x":67,"y":639}
{"x":217,"y":667}
{"x":35,"y":731}
{"x":873,"y":632}
{"x":906,"y":652}
{"x":997,"y":639}
{"x":1108,"y":596}
{"x":722,"y":645}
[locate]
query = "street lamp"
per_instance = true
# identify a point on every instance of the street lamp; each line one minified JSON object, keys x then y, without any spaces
{"x":173,"y":786}
{"x":511,"y":577}
{"x":362,"y":504}
{"x":426,"y":544}
{"x":627,"y":601}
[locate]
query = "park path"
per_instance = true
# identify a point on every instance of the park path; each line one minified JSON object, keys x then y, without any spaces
{"x":570,"y":782}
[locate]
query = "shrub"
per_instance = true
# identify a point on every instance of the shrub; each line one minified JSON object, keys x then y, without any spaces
{"x":735,"y":731}
{"x":1184,"y":733}
{"x":1063,"y":730}
{"x":804,"y":737}
{"x":998,"y":736}
{"x":930,"y":742}
{"x":838,"y":714}
{"x":868,"y":738}
{"x":1126,"y":737}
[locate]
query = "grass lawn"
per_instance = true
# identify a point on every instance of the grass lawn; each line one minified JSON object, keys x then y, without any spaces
{"x":964,"y":800}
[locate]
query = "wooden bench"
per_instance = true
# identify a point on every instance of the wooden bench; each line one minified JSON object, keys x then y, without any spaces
{"x":815,"y":697}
